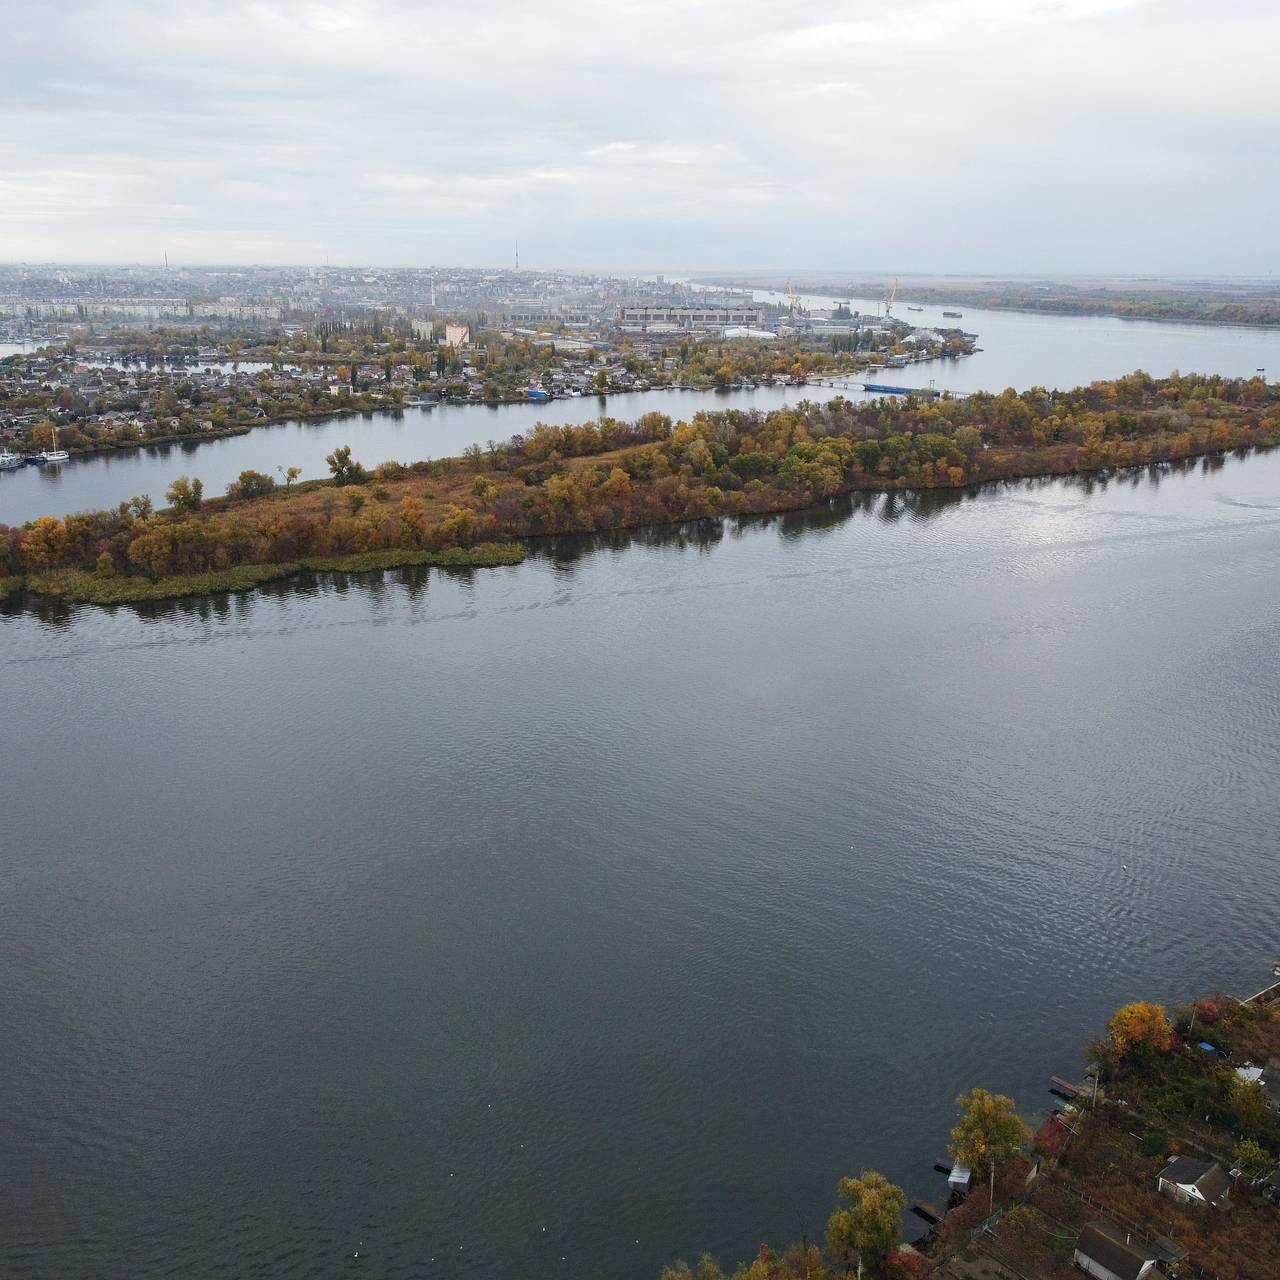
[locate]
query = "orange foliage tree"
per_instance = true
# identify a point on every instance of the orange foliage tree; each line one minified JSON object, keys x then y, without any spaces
{"x":1140,"y":1025}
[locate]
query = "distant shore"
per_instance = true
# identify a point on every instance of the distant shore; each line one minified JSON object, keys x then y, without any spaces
{"x":1256,"y":309}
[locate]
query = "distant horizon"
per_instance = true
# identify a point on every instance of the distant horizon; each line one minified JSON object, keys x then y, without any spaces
{"x":1091,"y":137}
{"x":853,"y":273}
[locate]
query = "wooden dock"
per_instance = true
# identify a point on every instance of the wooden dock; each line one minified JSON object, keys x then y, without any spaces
{"x":929,"y":1212}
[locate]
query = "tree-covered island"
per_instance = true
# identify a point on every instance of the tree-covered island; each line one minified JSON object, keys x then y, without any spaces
{"x":611,"y":474}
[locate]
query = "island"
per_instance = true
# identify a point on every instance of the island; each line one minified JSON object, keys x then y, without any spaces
{"x":480,"y":509}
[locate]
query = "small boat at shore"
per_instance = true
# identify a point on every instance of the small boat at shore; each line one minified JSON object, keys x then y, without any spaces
{"x":9,"y":460}
{"x":55,"y":454}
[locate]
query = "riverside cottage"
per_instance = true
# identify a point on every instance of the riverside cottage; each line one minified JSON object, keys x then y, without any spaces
{"x":1196,"y":1182}
{"x":1107,"y":1253}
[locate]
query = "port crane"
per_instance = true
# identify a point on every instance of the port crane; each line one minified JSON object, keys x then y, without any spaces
{"x":890,"y":294}
{"x":794,"y":299}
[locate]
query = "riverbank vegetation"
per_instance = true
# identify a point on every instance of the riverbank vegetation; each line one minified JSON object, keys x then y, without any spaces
{"x":1165,"y":1087}
{"x":864,"y":1235}
{"x":611,"y":474}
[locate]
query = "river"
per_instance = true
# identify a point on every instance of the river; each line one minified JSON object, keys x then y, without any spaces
{"x":1017,"y":350}
{"x":558,"y":920}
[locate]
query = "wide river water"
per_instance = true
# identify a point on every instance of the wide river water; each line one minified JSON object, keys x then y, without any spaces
{"x":558,"y":920}
{"x":1017,"y":351}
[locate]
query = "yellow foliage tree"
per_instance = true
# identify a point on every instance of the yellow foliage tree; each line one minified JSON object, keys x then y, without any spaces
{"x":1140,"y":1025}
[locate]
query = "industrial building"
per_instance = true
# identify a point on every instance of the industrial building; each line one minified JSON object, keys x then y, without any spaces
{"x":690,"y":317}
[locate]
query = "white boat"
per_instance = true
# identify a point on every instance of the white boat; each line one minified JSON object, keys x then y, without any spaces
{"x":55,"y":454}
{"x":9,"y":460}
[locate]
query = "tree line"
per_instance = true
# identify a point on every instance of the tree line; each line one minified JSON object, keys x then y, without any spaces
{"x":610,"y":474}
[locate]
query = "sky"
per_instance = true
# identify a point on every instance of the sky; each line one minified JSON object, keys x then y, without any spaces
{"x":1075,"y":136}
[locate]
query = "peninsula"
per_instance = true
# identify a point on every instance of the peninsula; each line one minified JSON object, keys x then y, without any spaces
{"x":611,"y":474}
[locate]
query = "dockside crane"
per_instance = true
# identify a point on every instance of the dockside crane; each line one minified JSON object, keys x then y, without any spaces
{"x":890,"y":295}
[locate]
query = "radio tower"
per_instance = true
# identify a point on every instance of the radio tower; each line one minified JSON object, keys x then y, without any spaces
{"x":517,"y":255}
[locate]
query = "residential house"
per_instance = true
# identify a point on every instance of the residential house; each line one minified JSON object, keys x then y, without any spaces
{"x":1107,"y":1253}
{"x":1196,"y":1182}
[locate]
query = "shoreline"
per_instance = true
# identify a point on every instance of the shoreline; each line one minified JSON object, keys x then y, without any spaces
{"x":244,"y":428}
{"x":1166,"y":1099}
{"x":82,"y":587}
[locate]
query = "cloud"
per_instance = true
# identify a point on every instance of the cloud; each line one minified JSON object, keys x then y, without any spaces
{"x":932,"y":134}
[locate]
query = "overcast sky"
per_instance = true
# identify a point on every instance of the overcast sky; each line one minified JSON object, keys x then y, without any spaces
{"x":918,"y":135}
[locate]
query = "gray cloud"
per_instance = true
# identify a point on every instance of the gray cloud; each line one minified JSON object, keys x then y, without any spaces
{"x":1083,"y":135}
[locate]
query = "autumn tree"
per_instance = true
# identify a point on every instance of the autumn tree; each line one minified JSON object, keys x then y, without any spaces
{"x":799,"y":1262}
{"x":458,"y":526}
{"x":43,"y":544}
{"x":1140,"y":1026}
{"x":617,"y":486}
{"x":149,"y":553}
{"x":870,"y":1228}
{"x":185,"y":494}
{"x":990,"y":1131}
{"x":414,"y":524}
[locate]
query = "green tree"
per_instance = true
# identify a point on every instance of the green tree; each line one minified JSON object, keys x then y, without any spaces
{"x":185,"y":494}
{"x":1251,"y":1158}
{"x":250,"y":484}
{"x":345,"y":469}
{"x":1250,"y":1107}
{"x":871,"y":1227}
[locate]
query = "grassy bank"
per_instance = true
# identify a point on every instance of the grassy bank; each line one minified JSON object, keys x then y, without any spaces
{"x":89,"y":588}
